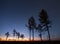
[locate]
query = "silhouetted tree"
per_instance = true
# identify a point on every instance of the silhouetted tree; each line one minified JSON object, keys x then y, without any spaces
{"x":14,"y":32}
{"x":18,"y":34}
{"x":22,"y":36}
{"x":31,"y":26}
{"x":43,"y":18}
{"x":7,"y":35}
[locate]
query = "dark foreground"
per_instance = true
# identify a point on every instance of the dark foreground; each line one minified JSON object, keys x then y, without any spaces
{"x":29,"y":42}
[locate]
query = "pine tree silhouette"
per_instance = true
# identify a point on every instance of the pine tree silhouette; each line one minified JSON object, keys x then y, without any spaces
{"x":18,"y":35}
{"x":22,"y":36}
{"x":31,"y":25}
{"x":7,"y":35}
{"x":43,"y":18}
{"x":14,"y":33}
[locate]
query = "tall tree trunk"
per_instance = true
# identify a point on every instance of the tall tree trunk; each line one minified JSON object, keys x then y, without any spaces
{"x":30,"y":34}
{"x":48,"y":31}
{"x":33,"y":34}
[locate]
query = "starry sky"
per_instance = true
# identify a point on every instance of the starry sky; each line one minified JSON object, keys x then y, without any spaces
{"x":14,"y":14}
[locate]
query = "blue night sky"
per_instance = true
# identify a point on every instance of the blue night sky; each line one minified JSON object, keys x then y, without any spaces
{"x":14,"y":14}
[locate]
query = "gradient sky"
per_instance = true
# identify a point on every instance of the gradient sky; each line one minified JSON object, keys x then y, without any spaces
{"x":14,"y":14}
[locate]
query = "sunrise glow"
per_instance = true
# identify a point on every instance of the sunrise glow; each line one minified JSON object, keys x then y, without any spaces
{"x":16,"y":39}
{"x":13,"y":39}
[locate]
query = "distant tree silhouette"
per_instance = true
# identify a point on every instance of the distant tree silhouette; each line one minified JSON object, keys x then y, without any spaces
{"x":14,"y":32}
{"x":43,"y":18}
{"x":18,"y":34}
{"x":7,"y":35}
{"x":31,"y":26}
{"x":22,"y":36}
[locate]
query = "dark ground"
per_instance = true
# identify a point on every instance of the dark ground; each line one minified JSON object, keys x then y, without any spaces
{"x":29,"y":42}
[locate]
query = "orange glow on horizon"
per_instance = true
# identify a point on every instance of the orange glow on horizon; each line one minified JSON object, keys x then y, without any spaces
{"x":16,"y":39}
{"x":20,"y":39}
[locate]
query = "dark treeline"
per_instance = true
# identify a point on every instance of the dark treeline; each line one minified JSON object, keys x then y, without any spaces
{"x":42,"y":26}
{"x":15,"y":34}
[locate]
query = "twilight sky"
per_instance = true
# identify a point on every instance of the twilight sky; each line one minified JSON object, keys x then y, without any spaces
{"x":14,"y":14}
